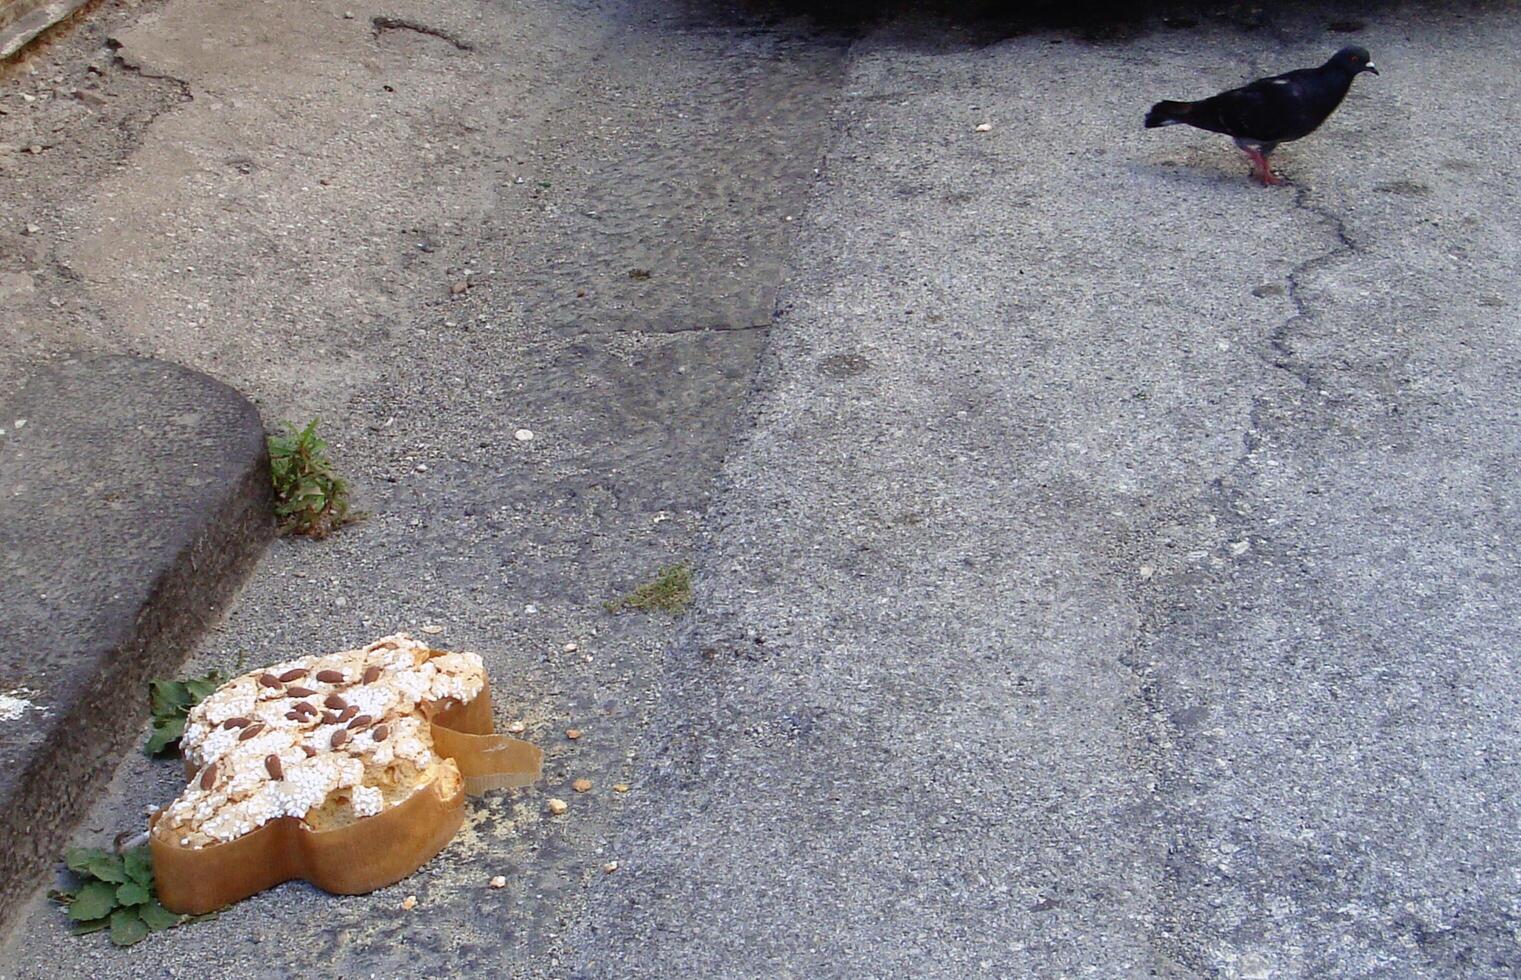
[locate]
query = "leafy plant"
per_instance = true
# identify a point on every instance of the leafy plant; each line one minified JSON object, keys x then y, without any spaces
{"x":115,"y":892}
{"x":170,"y":702}
{"x":310,"y":498}
{"x":669,"y":591}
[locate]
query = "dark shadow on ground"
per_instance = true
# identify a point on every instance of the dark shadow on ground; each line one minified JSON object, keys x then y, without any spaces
{"x":960,"y":23}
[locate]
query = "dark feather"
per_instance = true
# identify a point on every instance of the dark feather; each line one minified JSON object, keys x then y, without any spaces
{"x":1271,"y":110}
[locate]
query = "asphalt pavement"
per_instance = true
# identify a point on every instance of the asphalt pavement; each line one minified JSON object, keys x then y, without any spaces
{"x":1111,"y":569}
{"x":1118,"y":575}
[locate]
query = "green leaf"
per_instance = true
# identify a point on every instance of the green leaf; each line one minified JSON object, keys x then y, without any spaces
{"x":127,"y":927}
{"x":131,"y":894}
{"x":89,"y":926}
{"x":167,"y":697}
{"x":107,"y":867}
{"x":171,"y":702}
{"x":201,"y":688}
{"x":157,"y":917}
{"x":78,"y":858}
{"x":94,"y":900}
{"x":139,"y":865}
{"x":165,"y":733}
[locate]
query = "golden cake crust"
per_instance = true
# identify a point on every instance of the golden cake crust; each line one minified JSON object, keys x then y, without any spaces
{"x":327,"y":740}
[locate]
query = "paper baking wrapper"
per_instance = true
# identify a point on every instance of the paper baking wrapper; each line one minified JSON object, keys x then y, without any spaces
{"x":368,"y":854}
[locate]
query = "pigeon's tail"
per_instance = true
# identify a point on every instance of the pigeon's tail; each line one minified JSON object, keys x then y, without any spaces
{"x":1168,"y":114}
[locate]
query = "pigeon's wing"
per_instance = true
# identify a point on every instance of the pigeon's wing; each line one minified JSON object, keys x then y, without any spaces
{"x":1269,"y":110}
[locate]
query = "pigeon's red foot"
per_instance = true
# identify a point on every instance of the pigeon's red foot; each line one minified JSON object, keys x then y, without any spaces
{"x":1261,"y":170}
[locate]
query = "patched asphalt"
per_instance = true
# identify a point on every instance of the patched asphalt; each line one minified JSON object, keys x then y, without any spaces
{"x":1117,"y":578}
{"x":1110,"y":573}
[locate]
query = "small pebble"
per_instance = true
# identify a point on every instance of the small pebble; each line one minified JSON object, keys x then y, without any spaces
{"x":557,"y":806}
{"x":984,"y":127}
{"x":433,"y":629}
{"x":610,"y":867}
{"x":571,"y":648}
{"x":516,"y":728}
{"x":409,"y":903}
{"x":581,"y":785}
{"x":572,"y":733}
{"x":500,"y":881}
{"x":620,"y":787}
{"x":523,"y":435}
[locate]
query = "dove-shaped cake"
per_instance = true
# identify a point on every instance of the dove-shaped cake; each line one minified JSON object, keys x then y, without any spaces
{"x":344,"y":769}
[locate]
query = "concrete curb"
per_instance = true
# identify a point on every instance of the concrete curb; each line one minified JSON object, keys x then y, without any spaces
{"x":134,"y":500}
{"x":21,"y":21}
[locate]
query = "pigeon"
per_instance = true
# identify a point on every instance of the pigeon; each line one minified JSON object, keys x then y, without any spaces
{"x":1271,"y":110}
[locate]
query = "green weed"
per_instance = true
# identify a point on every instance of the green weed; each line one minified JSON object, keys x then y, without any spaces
{"x":114,"y":891}
{"x":310,"y":498}
{"x":170,"y":702}
{"x":669,"y":591}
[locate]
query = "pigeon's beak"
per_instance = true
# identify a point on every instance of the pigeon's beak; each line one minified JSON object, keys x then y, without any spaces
{"x":1370,"y":67}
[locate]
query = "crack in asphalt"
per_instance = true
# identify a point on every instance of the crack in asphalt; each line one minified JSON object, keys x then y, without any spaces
{"x":185,"y":95}
{"x":1280,"y":356}
{"x":382,"y":24}
{"x":1173,"y":938}
{"x":1278,"y":340}
{"x":709,"y":328}
{"x":1154,"y":732}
